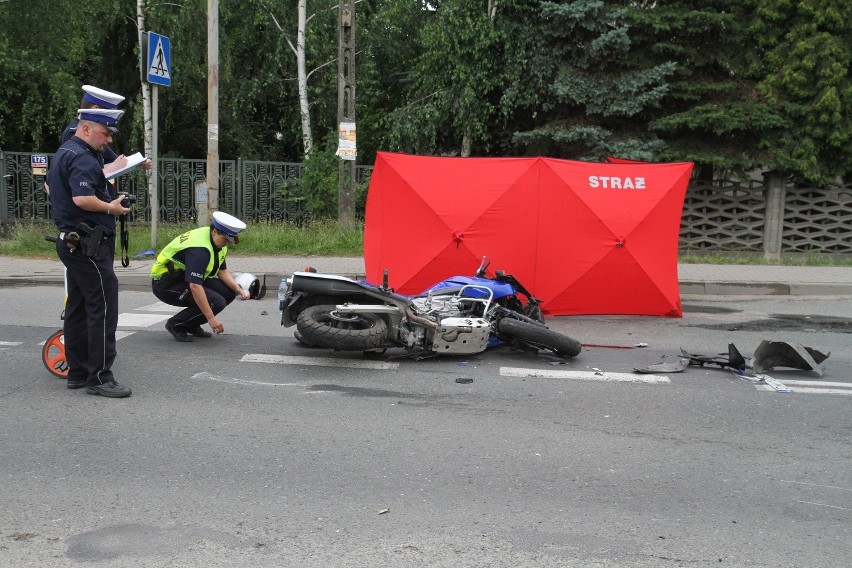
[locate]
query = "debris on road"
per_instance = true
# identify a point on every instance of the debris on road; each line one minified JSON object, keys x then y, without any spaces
{"x":732,"y":359}
{"x":774,"y":383}
{"x":677,"y":367}
{"x":771,"y":354}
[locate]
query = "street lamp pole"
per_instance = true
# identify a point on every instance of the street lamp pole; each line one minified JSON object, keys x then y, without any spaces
{"x":211,"y":204}
{"x":346,"y":108}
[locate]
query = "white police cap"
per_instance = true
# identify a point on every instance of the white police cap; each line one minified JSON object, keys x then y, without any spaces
{"x":228,"y":225}
{"x":107,"y":117}
{"x":101,"y":98}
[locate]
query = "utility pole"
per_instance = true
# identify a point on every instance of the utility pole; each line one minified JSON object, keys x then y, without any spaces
{"x":211,"y":203}
{"x":346,"y":110}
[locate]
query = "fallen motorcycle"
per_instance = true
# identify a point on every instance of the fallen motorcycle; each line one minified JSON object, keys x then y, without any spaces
{"x":459,"y":315}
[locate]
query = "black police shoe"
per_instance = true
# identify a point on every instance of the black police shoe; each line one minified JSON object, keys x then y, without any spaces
{"x":110,"y":390}
{"x":178,"y":334}
{"x":198,"y":331}
{"x":76,"y":384}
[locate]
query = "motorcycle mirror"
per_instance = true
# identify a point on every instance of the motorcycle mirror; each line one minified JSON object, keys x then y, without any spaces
{"x":483,"y":267}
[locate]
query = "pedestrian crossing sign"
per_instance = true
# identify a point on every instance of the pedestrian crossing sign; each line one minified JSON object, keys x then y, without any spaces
{"x":159,"y":61}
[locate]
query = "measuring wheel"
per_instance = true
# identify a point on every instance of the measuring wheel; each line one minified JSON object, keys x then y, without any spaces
{"x":53,"y":355}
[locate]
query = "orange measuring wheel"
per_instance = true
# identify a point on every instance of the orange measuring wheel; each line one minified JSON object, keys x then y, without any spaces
{"x":53,"y":355}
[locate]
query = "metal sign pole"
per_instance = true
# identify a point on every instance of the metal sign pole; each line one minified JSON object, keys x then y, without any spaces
{"x":152,"y":174}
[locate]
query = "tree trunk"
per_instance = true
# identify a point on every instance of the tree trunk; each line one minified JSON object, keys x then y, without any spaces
{"x":467,"y":143}
{"x":304,"y":108}
{"x":148,"y":130}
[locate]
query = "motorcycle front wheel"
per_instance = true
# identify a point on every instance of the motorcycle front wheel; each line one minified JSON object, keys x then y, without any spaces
{"x":324,"y":326}
{"x":524,"y":335}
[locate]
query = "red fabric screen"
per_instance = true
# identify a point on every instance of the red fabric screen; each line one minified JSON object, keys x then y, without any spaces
{"x":585,"y":238}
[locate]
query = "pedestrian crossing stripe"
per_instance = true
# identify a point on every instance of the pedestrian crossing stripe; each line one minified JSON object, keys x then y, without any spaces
{"x":812,"y":387}
{"x":583,"y":375}
{"x":318,"y":361}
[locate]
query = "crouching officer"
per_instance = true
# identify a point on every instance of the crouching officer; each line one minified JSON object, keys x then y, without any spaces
{"x":83,"y":205}
{"x":191,"y":272}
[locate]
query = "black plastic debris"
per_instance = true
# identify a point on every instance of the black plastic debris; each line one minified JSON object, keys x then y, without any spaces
{"x":733,"y":359}
{"x":464,"y":380}
{"x":771,"y":354}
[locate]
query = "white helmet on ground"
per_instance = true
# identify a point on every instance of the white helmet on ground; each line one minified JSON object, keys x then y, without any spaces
{"x":251,"y":283}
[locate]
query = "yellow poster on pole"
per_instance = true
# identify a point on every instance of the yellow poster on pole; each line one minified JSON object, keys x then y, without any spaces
{"x":346,"y":146}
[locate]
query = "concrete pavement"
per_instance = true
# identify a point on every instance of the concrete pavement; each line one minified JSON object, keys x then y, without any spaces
{"x":694,"y":279}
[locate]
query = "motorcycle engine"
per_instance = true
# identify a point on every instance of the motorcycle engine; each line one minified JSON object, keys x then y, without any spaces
{"x":441,"y":306}
{"x":461,"y":335}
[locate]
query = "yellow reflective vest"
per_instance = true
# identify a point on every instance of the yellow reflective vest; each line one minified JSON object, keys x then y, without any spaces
{"x":199,"y":237}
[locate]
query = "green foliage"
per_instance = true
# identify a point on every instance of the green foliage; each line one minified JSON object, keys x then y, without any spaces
{"x":726,"y":83}
{"x":319,"y":183}
{"x":317,"y":187}
{"x":48,"y":49}
{"x":601,"y":88}
{"x":803,"y":72}
{"x":711,"y":113}
{"x":318,"y":238}
{"x":453,"y":80}
{"x":322,"y":237}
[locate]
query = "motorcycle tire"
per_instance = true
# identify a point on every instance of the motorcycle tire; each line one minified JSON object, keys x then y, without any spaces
{"x":301,"y":340}
{"x":526,"y":335}
{"x":323,"y":327}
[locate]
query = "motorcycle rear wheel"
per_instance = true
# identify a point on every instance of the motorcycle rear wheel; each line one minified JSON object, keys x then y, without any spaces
{"x":526,"y":335}
{"x":323,"y":326}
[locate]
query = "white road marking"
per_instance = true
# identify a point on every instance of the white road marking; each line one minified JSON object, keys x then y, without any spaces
{"x":812,"y":387}
{"x":806,"y":390}
{"x":815,"y":485}
{"x":317,"y":361}
{"x":13,"y":343}
{"x":822,"y":505}
{"x":583,"y":375}
{"x":140,"y":320}
{"x":211,"y":377}
{"x":119,"y":334}
{"x":818,"y":384}
{"x":159,"y":307}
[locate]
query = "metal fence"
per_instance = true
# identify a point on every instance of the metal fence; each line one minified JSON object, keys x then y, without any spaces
{"x":720,"y":216}
{"x":251,"y":190}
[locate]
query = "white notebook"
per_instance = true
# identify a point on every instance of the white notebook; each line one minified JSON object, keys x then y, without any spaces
{"x":133,"y":162}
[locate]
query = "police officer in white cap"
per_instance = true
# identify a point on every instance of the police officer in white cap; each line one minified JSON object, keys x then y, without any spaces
{"x":95,"y":98}
{"x":84,"y":207}
{"x":191,"y":272}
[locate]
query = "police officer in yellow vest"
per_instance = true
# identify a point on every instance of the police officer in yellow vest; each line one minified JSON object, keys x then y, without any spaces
{"x":191,"y":272}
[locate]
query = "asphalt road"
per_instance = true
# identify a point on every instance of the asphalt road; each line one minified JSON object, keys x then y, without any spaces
{"x":248,"y":450}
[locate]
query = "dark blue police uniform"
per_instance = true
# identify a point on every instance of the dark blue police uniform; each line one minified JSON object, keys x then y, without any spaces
{"x":91,"y":312}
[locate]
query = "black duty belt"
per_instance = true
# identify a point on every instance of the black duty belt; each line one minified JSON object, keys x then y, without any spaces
{"x":63,"y":234}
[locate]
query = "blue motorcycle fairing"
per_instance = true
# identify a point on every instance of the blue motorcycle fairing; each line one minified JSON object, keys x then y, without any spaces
{"x":498,"y":289}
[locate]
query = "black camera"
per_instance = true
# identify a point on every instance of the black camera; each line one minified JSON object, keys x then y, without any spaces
{"x":129,"y":199}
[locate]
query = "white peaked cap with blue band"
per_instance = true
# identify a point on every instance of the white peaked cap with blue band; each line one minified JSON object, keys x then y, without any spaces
{"x":229,"y":225}
{"x":101,"y":98}
{"x":107,"y":117}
